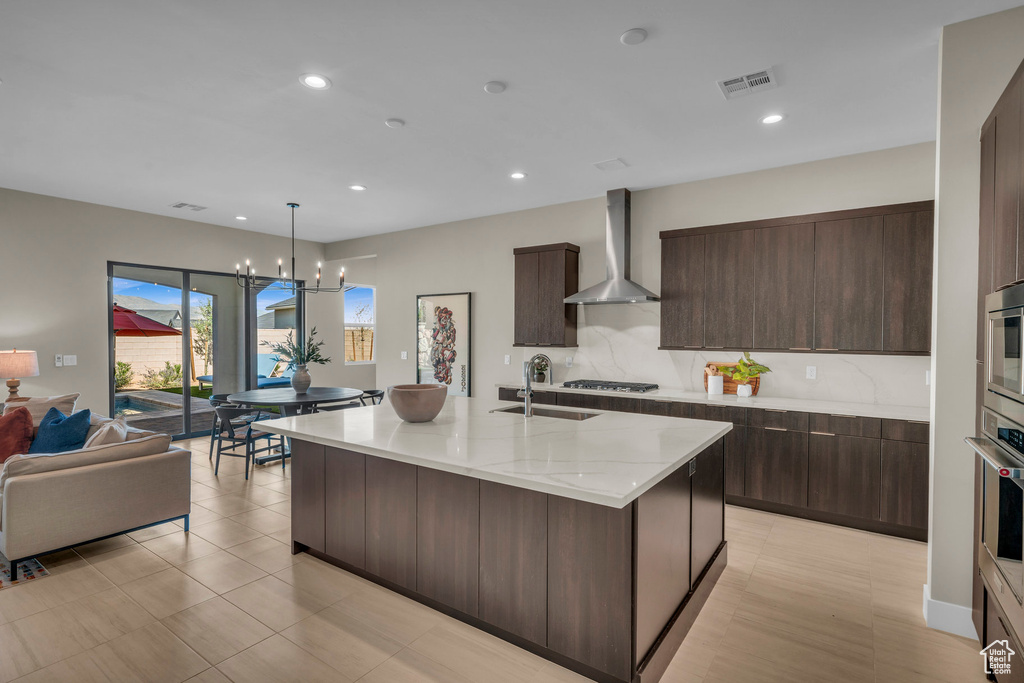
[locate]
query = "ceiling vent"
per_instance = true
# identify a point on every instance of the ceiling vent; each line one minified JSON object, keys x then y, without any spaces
{"x":749,"y":84}
{"x":611,"y":165}
{"x":190,"y":207}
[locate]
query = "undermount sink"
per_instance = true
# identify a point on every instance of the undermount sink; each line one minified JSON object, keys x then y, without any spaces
{"x":544,"y":412}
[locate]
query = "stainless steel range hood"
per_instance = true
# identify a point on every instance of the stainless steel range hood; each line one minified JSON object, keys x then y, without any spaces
{"x":617,"y":287}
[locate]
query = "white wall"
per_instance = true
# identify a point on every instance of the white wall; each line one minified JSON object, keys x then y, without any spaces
{"x":977,"y":60}
{"x":620,"y":342}
{"x":55,"y":254}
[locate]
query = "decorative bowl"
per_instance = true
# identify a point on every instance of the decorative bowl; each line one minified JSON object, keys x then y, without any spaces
{"x":417,"y":402}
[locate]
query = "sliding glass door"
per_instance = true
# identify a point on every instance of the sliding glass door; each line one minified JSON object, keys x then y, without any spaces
{"x":179,"y":336}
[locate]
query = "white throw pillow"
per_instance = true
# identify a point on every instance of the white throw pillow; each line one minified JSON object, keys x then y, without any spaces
{"x":40,"y":405}
{"x":113,"y":431}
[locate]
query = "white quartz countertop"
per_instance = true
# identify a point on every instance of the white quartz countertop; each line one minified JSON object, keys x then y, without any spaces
{"x":806,"y":405}
{"x":610,"y":459}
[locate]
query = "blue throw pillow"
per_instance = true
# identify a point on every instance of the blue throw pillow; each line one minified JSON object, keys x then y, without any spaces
{"x":59,"y":433}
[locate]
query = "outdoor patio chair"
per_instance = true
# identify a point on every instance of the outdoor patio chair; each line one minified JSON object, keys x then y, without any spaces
{"x":235,"y":428}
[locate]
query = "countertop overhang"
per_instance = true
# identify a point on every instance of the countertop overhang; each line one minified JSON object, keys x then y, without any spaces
{"x":610,"y":459}
{"x":805,"y":405}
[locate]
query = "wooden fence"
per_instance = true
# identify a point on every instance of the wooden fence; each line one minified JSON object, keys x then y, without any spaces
{"x":358,"y":344}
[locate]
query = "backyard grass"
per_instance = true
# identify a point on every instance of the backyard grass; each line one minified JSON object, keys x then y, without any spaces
{"x":196,"y":391}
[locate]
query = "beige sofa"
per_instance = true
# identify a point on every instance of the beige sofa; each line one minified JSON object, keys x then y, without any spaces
{"x":51,"y":502}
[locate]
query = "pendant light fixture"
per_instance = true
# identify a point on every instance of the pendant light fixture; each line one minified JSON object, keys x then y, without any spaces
{"x":249,"y":279}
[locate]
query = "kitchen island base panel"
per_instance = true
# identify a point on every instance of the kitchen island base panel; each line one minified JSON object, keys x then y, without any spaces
{"x":585,"y":602}
{"x":874,"y":526}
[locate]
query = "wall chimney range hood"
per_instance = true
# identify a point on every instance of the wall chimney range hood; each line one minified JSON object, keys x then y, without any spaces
{"x":617,"y":288}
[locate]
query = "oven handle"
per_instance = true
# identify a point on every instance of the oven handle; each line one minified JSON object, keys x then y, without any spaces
{"x":995,"y":457}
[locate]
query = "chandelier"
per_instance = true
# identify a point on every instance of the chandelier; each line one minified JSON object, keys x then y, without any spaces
{"x":249,"y":279}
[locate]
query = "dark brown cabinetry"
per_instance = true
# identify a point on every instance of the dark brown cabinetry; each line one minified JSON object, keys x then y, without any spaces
{"x":735,"y":444}
{"x":904,"y":483}
{"x":728,"y":290}
{"x":513,"y":560}
{"x":539,"y":397}
{"x":344,"y":483}
{"x":308,"y":497}
{"x":986,"y":228}
{"x":682,"y":292}
{"x":544,"y":276}
{"x":784,"y":287}
{"x":448,"y":538}
{"x":707,"y":518}
{"x":1006,"y":242}
{"x":855,"y":281}
{"x":848,"y":260}
{"x":907,"y":282}
{"x":996,"y":628}
{"x":621,"y":404}
{"x":776,"y":467}
{"x":842,"y":475}
{"x":391,"y":521}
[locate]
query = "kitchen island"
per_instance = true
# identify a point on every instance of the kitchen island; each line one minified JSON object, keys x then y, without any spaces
{"x":592,"y":542}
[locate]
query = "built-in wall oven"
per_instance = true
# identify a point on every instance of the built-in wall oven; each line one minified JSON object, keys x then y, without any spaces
{"x":1004,"y":370}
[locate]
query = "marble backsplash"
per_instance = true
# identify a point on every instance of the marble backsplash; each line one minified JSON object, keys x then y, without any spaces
{"x":620,"y":342}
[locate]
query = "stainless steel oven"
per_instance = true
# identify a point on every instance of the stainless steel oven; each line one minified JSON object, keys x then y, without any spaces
{"x":1002,"y":448}
{"x":1004,"y":340}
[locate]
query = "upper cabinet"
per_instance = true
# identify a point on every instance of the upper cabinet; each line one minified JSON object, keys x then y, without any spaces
{"x":544,"y":276}
{"x":849,"y":281}
{"x":848,"y":257}
{"x":1005,"y":236}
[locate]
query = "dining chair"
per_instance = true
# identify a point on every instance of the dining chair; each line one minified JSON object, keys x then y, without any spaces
{"x":217,"y":401}
{"x":235,"y":429}
{"x":374,"y":396}
{"x":337,"y":406}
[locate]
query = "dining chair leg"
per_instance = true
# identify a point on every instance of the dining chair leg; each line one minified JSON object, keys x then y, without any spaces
{"x":220,"y":447}
{"x":213,"y":433}
{"x":282,"y":452}
{"x":248,"y":450}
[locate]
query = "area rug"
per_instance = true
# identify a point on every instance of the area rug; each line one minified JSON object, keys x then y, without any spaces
{"x":29,"y":570}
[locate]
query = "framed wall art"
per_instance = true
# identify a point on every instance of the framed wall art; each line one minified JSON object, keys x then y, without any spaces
{"x":443,"y":334}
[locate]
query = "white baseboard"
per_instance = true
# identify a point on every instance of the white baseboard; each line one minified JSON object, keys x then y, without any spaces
{"x":945,"y":616}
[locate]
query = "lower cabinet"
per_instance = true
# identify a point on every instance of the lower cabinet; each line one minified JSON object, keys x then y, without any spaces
{"x":391,"y":521}
{"x":995,"y":630}
{"x":620,"y":404}
{"x":904,"y":483}
{"x":539,"y":397}
{"x":308,"y":494}
{"x":707,"y":518}
{"x":843,"y":474}
{"x":776,"y":466}
{"x":448,"y":538}
{"x":344,"y":481}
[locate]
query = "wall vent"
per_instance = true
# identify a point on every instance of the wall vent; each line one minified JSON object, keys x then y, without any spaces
{"x":611,"y":165}
{"x":748,"y":84}
{"x":190,"y":207}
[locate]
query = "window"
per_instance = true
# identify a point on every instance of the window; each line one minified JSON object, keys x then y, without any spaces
{"x":360,"y":318}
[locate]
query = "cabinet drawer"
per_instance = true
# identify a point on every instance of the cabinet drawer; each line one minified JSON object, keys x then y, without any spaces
{"x":997,"y":628}
{"x":738,"y":416}
{"x":653,"y":406}
{"x":846,"y":425}
{"x":905,"y":430}
{"x":778,"y":419}
{"x":539,"y":397}
{"x":599,"y":402}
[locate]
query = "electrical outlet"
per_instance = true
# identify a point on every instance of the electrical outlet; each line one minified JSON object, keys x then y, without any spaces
{"x":405,"y":355}
{"x":58,"y":360}
{"x":812,"y":372}
{"x":70,"y":360}
{"x":568,"y":361}
{"x":508,"y":359}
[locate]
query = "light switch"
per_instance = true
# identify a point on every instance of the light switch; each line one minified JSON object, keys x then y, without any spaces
{"x":58,"y":360}
{"x":508,"y":359}
{"x":568,"y":361}
{"x":70,"y":360}
{"x":405,"y":355}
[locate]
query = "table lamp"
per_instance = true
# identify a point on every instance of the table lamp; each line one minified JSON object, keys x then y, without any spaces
{"x":16,"y":364}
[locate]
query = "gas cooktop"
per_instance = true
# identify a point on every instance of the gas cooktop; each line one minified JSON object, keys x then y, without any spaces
{"x":606,"y":385}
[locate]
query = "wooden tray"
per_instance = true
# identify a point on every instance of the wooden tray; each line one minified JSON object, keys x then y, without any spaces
{"x":729,"y":384}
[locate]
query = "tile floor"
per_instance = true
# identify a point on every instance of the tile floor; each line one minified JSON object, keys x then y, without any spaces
{"x":799,"y":601}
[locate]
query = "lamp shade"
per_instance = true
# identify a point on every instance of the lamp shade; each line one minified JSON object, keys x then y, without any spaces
{"x":16,"y":364}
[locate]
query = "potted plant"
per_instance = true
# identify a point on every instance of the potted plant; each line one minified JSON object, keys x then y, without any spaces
{"x":298,"y":357}
{"x":743,"y":372}
{"x":539,"y":368}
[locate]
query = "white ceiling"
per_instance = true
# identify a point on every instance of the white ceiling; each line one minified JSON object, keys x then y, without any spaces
{"x":143,"y":104}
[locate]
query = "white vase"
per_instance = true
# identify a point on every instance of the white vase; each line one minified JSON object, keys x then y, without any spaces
{"x":716,"y":385}
{"x":301,"y":379}
{"x":744,"y":390}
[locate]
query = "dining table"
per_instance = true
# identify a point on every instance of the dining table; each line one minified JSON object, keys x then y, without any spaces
{"x":289,"y":402}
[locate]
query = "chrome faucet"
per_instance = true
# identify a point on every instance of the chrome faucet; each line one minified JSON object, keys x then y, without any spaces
{"x":527,"y":394}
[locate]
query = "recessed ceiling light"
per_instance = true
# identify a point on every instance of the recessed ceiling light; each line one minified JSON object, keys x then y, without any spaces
{"x":394,"y":123}
{"x":518,"y":175}
{"x":772,"y":118}
{"x":633,"y":36}
{"x":495,"y":87}
{"x":357,"y":188}
{"x":241,"y":218}
{"x":315,"y":81}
